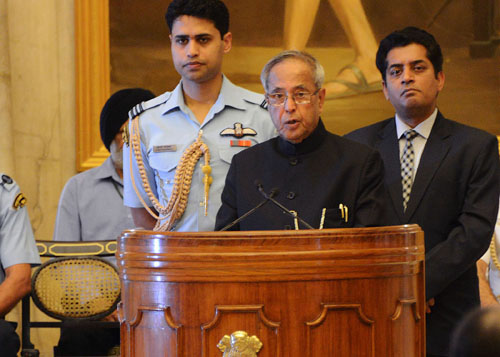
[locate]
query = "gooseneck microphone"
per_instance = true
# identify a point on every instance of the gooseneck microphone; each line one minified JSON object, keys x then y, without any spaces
{"x":285,"y":210}
{"x":248,"y":213}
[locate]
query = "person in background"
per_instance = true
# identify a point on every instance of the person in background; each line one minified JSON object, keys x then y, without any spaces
{"x":488,"y":271}
{"x":18,"y":253}
{"x":441,"y":175}
{"x":478,"y":334}
{"x":91,"y":204}
{"x":91,"y":208}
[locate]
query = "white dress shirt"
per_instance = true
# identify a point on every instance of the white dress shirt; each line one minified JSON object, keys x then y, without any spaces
{"x":423,"y":129}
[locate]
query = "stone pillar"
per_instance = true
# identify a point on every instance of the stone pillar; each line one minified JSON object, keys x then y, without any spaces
{"x":6,"y":145}
{"x":37,"y":72}
{"x":41,"y":47}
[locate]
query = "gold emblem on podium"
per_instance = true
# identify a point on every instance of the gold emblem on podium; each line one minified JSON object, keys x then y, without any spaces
{"x":239,"y":344}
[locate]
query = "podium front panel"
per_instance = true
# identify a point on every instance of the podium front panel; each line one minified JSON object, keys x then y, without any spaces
{"x":332,"y":292}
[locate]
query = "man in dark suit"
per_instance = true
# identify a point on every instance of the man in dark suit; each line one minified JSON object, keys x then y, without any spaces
{"x":440,"y":174}
{"x":325,"y":179}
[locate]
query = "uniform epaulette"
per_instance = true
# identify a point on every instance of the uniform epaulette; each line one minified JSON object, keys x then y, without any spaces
{"x":263,"y":105}
{"x":249,"y":96}
{"x":6,"y":182}
{"x":142,"y":107}
{"x":136,"y":110}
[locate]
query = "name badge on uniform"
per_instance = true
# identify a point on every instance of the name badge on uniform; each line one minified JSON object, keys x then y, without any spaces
{"x":165,"y":148}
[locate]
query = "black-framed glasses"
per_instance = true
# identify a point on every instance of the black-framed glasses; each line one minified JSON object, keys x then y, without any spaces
{"x":299,"y":97}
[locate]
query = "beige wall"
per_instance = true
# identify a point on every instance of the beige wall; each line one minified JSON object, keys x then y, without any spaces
{"x":37,"y":102}
{"x":40,"y":37}
{"x":6,"y":148}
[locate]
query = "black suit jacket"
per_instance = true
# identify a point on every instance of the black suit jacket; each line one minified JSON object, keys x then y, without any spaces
{"x":323,"y":171}
{"x":455,"y":200}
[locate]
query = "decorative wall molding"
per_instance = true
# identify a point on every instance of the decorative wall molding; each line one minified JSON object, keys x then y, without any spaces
{"x":92,"y":79}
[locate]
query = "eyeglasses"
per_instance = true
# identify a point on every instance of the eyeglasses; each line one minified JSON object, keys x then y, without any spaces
{"x":299,"y":97}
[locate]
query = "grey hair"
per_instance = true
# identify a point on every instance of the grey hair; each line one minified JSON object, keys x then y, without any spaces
{"x":316,"y":67}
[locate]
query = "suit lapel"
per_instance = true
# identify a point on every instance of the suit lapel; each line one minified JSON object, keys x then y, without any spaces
{"x":434,"y":152}
{"x":388,"y":146}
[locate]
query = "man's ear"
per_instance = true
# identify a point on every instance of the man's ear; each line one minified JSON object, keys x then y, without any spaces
{"x":321,"y":98}
{"x":228,"y":41}
{"x":441,"y":79}
{"x":384,"y":90}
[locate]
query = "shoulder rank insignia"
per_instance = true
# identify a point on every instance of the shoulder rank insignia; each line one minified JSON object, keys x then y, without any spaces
{"x":263,"y":105}
{"x":6,"y":180}
{"x":19,"y":202}
{"x":238,"y":131}
{"x":135,"y":111}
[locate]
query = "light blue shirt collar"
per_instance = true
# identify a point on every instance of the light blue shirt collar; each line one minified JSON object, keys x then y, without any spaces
{"x":230,"y":95}
{"x":423,"y":129}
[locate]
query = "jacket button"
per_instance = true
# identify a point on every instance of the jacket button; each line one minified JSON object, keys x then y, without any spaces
{"x":293,"y":161}
{"x":290,"y":195}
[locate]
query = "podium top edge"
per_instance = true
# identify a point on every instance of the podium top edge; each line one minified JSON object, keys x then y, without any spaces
{"x":305,"y":233}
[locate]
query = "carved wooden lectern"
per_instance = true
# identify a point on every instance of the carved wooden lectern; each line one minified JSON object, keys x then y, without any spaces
{"x":308,"y":293}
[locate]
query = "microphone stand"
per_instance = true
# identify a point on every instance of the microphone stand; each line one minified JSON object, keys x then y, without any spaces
{"x":245,"y":215}
{"x":286,"y":210}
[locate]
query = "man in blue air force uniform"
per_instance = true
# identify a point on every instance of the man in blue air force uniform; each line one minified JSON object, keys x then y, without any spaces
{"x":18,"y":253}
{"x":183,"y":141}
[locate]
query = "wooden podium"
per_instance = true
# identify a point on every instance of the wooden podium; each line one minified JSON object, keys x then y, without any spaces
{"x":307,"y":293}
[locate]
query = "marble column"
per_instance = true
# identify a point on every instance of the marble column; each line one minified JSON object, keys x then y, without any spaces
{"x":6,"y":145}
{"x":37,"y":91}
{"x":41,"y":48}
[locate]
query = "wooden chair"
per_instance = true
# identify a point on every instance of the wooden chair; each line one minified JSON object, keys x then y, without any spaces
{"x":75,"y":284}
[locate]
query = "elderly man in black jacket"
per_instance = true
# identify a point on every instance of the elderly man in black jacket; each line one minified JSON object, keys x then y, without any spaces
{"x":323,"y":179}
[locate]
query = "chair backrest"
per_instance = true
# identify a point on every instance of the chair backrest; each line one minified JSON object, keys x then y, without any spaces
{"x":75,"y":283}
{"x":76,"y":288}
{"x":100,"y":248}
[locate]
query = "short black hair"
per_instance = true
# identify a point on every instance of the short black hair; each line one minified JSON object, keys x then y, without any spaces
{"x":405,"y":37}
{"x":213,"y":10}
{"x":477,"y":334}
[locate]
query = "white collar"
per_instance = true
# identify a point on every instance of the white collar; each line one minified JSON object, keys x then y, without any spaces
{"x":423,"y":129}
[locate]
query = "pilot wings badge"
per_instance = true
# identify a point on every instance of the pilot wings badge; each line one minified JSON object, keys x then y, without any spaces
{"x":238,"y":131}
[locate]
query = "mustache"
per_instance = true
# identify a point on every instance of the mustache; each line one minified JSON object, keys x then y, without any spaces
{"x":192,"y":62}
{"x":409,"y":90}
{"x":116,"y":155}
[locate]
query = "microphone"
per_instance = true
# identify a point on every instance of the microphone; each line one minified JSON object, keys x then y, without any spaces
{"x":285,"y":210}
{"x":239,"y":219}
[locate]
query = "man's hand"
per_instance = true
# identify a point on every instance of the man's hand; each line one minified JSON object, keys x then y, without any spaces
{"x":485,"y":293}
{"x":428,"y":305}
{"x":142,"y":218}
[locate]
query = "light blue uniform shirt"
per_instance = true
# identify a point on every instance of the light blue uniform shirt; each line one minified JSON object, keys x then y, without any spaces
{"x":167,"y":121}
{"x":493,"y":274}
{"x":17,"y":243}
{"x":91,"y":206}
